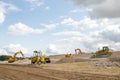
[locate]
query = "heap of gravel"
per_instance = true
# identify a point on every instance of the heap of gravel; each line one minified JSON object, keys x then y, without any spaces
{"x":111,"y":61}
{"x":70,"y":60}
{"x":106,"y":63}
{"x":75,"y":58}
{"x":115,"y":57}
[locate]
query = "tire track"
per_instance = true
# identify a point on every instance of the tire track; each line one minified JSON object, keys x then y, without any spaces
{"x":47,"y":77}
{"x":47,"y":74}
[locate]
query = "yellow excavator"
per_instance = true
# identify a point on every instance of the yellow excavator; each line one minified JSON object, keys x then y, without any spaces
{"x":105,"y":52}
{"x":12,"y":59}
{"x":39,"y":58}
{"x":68,"y":55}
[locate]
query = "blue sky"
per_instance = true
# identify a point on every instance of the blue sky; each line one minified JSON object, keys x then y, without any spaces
{"x":58,"y":27}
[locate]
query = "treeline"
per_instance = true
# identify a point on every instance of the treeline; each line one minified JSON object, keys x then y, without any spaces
{"x":4,"y":57}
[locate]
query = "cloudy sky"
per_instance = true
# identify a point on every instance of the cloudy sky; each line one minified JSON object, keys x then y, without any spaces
{"x":58,"y":26}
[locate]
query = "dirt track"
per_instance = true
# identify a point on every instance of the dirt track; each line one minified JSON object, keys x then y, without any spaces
{"x":33,"y":72}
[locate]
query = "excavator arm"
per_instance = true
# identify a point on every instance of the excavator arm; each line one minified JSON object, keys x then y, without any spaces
{"x":12,"y":59}
{"x":78,"y":51}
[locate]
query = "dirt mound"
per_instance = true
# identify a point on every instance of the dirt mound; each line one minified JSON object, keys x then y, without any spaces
{"x":55,"y":58}
{"x":75,"y":58}
{"x":24,"y":61}
{"x":87,"y":55}
{"x":111,"y":61}
{"x":106,"y":63}
{"x":115,"y":57}
{"x":70,"y":60}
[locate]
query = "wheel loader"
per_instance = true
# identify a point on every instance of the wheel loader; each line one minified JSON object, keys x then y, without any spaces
{"x":12,"y":59}
{"x":102,"y":53}
{"x":39,"y":58}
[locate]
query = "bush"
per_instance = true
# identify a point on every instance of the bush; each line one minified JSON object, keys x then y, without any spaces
{"x":4,"y":57}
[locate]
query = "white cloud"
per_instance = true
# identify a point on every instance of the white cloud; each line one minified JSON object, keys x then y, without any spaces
{"x":22,"y":29}
{"x":3,"y":52}
{"x":85,"y":23}
{"x":4,"y":7}
{"x":35,"y":3}
{"x":47,"y":8}
{"x":12,"y":48}
{"x":68,"y":33}
{"x":50,"y":26}
{"x":62,"y":17}
{"x":76,"y":10}
{"x":68,"y":21}
{"x":2,"y":17}
{"x":87,"y":43}
{"x":68,"y":45}
{"x":112,"y":32}
{"x":105,"y":32}
{"x":101,"y":8}
{"x":102,"y":44}
{"x":87,"y":2}
{"x":52,"y":49}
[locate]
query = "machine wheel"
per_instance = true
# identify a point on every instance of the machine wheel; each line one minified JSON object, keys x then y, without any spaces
{"x":32,"y":62}
{"x":39,"y":62}
{"x":47,"y":60}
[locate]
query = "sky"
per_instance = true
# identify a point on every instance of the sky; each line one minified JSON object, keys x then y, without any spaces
{"x":58,"y":26}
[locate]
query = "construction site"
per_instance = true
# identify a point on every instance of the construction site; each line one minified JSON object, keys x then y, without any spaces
{"x":100,"y":65}
{"x":59,"y":40}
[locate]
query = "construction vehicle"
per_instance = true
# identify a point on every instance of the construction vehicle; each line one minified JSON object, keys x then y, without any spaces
{"x":105,"y":52}
{"x":68,"y":55}
{"x":39,"y":58}
{"x":78,"y":51}
{"x":12,"y":59}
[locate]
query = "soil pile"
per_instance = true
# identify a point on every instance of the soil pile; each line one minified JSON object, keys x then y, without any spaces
{"x":115,"y":57}
{"x":75,"y":58}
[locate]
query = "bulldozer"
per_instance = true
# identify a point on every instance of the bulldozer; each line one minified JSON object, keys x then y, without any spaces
{"x":13,"y":59}
{"x":105,"y":52}
{"x":39,"y":58}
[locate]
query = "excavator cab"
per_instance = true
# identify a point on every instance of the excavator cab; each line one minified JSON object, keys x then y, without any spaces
{"x":36,"y":57}
{"x":37,"y":54}
{"x":105,"y":48}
